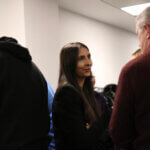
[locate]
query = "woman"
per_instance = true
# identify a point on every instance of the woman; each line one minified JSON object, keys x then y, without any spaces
{"x":78,"y":122}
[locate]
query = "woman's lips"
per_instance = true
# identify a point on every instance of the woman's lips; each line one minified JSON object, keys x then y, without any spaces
{"x":88,"y":70}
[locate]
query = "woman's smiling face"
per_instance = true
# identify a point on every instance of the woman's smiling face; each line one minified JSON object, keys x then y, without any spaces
{"x":84,"y":63}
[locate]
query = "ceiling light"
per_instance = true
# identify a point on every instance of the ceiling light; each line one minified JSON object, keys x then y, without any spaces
{"x":136,"y":9}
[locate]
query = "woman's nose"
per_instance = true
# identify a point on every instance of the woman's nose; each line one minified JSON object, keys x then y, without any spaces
{"x":88,"y":62}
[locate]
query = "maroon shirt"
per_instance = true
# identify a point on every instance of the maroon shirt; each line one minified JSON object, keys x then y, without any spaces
{"x":130,"y":121}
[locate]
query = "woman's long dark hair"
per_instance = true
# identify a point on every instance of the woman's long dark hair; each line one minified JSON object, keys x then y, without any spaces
{"x":68,"y":63}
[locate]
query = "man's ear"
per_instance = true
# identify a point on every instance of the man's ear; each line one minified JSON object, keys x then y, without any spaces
{"x":147,"y":29}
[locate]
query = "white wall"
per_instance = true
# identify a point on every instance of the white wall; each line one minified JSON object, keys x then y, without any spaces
{"x":110,"y":47}
{"x":44,"y":28}
{"x":41,"y":28}
{"x":12,"y":19}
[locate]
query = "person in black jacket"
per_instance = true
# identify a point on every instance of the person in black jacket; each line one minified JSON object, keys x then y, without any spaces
{"x":78,"y":122}
{"x":24,"y":117}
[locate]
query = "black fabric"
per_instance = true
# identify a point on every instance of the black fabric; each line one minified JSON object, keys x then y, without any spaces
{"x":16,"y":50}
{"x":8,"y":39}
{"x":69,"y":122}
{"x":24,"y":118}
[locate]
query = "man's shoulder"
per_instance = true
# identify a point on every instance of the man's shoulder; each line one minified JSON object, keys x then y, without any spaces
{"x":129,"y":68}
{"x":134,"y":64}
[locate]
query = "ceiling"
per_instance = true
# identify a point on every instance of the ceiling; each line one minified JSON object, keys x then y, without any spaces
{"x":125,"y":3}
{"x":107,"y":11}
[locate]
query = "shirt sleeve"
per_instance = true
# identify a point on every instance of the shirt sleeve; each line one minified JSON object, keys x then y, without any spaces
{"x":50,"y":101}
{"x":122,"y":120}
{"x":50,"y":97}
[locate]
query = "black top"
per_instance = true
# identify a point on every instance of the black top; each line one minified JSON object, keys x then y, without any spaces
{"x":24,"y":119}
{"x":69,"y":122}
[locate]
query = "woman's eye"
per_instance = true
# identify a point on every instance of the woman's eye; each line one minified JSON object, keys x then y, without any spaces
{"x":81,"y":58}
{"x":89,"y":56}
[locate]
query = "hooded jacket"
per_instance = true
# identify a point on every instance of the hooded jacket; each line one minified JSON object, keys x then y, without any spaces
{"x":24,"y":119}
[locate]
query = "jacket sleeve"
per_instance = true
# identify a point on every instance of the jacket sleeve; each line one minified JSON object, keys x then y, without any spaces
{"x":122,"y":120}
{"x":69,"y":125}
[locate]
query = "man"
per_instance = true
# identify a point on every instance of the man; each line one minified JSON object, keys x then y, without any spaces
{"x":24,"y":117}
{"x":130,"y":122}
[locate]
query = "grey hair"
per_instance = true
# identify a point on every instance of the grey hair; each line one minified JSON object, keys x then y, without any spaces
{"x":143,"y":18}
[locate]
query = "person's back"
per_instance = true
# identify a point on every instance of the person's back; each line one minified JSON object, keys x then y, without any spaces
{"x":24,"y":118}
{"x":141,"y":103}
{"x":131,"y":127}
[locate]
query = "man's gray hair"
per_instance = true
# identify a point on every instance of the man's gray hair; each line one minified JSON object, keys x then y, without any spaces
{"x":143,"y":18}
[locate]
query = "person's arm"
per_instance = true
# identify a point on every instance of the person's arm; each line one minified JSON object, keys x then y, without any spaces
{"x":50,"y":97}
{"x":69,"y":123}
{"x":122,"y":120}
{"x":50,"y":101}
